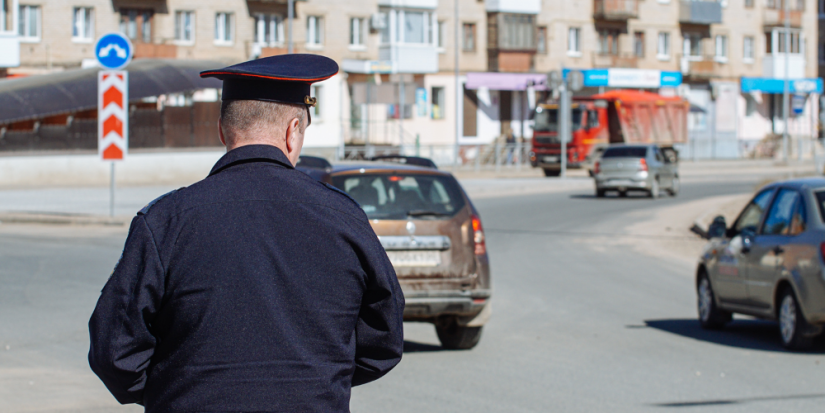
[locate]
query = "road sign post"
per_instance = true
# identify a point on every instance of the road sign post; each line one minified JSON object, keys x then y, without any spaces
{"x":113,"y":51}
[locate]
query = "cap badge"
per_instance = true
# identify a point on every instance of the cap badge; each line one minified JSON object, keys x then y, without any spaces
{"x":310,"y":100}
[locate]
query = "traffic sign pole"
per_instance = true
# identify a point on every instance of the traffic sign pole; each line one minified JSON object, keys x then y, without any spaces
{"x":112,"y":190}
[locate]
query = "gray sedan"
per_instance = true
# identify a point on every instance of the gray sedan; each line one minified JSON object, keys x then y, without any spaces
{"x":769,"y":263}
{"x":648,"y":168}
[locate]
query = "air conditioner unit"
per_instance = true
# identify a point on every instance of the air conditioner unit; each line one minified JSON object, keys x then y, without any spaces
{"x":378,"y":21}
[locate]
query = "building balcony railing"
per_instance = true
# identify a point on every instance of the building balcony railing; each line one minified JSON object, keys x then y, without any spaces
{"x":702,"y":67}
{"x":155,"y":51}
{"x":700,"y":12}
{"x":775,"y":17}
{"x":603,"y":61}
{"x":615,"y":9}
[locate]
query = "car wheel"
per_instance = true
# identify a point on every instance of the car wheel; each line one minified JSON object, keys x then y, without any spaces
{"x":711,"y":317}
{"x":674,"y":187}
{"x":600,"y":193}
{"x":792,"y":323}
{"x":552,"y":172}
{"x":457,"y":337}
{"x":654,"y":189}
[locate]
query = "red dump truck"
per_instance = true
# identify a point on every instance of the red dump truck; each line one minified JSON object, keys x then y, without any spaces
{"x":618,"y":116}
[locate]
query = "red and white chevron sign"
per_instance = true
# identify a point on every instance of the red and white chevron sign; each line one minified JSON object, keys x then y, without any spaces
{"x":112,"y":114}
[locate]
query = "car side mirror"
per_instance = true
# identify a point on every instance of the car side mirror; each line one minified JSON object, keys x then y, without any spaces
{"x":717,"y":228}
{"x":747,"y":240}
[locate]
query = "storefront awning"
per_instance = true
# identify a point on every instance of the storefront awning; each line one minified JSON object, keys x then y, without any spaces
{"x":41,"y":96}
{"x":773,"y":85}
{"x":505,"y":81}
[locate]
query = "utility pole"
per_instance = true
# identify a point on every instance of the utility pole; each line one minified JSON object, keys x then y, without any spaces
{"x":564,"y":125}
{"x":457,"y":90}
{"x":787,"y":87}
{"x":290,"y":13}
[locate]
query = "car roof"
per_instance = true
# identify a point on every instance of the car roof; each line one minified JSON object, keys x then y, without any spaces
{"x":372,"y":166}
{"x":813,"y":183}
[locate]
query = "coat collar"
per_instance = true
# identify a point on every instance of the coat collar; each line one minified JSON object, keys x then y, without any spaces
{"x":252,"y":153}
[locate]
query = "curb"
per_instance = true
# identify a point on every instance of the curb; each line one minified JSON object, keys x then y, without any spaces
{"x":61,"y":219}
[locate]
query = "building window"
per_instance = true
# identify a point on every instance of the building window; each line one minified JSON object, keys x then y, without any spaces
{"x":438,"y":100}
{"x":317,"y":92}
{"x":136,"y":24}
{"x":821,"y":8}
{"x":415,"y":27}
{"x":749,"y":4}
{"x":516,"y":31}
{"x":357,"y":32}
{"x":721,"y":43}
{"x":185,"y":26}
{"x":574,"y":41}
{"x":794,"y":39}
{"x":608,"y":42}
{"x":663,"y":46}
{"x":224,"y":28}
{"x":747,"y":49}
{"x":639,"y":44}
{"x":83,"y":24}
{"x":692,"y":46}
{"x":29,"y":23}
{"x":468,"y":31}
{"x":822,"y":53}
{"x":269,"y":30}
{"x":442,"y":32}
{"x":315,"y":31}
{"x":541,"y":39}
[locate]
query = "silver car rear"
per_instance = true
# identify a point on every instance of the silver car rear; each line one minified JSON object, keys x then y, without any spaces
{"x":624,"y":168}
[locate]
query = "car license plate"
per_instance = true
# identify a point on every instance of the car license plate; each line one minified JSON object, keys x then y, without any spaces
{"x":550,"y":159}
{"x":414,"y":258}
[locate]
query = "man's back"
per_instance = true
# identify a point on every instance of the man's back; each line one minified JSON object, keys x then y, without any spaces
{"x":264,"y":294}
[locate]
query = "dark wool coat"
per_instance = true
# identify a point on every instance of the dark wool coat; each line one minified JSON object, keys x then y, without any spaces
{"x":257,"y":289}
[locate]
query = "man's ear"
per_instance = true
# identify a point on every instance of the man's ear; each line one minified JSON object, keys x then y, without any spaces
{"x":220,"y":133}
{"x":293,"y":140}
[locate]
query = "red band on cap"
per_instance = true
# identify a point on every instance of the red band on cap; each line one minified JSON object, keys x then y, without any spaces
{"x":204,"y":74}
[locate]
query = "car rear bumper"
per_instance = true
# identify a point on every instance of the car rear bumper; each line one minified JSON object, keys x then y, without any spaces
{"x":603,"y":182}
{"x":427,"y":305}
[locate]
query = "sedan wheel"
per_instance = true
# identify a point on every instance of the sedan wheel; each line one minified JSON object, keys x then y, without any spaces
{"x":674,"y":187}
{"x":710,"y":316}
{"x":792,"y":323}
{"x":457,"y":337}
{"x":654,"y":189}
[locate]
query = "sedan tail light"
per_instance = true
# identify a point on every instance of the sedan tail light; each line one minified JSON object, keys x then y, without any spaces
{"x":822,"y":250}
{"x":642,"y":165}
{"x":479,"y":246}
{"x":596,"y":168}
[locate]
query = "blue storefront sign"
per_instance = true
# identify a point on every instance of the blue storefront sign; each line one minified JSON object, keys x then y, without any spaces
{"x":629,"y":78}
{"x":772,"y":85}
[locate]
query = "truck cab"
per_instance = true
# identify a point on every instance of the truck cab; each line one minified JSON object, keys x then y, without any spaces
{"x":588,"y":128}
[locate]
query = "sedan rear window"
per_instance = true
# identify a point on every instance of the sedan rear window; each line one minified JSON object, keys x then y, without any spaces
{"x":820,"y":200}
{"x":625,"y":152}
{"x":399,"y":196}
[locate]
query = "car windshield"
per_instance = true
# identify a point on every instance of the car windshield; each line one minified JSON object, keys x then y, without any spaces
{"x":625,"y":152}
{"x":547,"y":120}
{"x":399,"y":196}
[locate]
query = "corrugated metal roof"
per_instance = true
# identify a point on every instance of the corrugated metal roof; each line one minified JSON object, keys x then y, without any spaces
{"x":40,"y":96}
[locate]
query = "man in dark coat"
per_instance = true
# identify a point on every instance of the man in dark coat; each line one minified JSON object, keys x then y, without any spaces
{"x":257,"y":289}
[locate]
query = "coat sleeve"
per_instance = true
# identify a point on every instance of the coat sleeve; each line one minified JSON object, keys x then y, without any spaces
{"x":121,"y":342}
{"x":380,"y":330}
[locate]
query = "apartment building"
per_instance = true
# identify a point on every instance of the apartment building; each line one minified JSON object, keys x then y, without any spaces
{"x":398,"y":58}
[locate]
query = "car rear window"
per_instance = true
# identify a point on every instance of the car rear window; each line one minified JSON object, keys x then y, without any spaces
{"x":625,"y":152}
{"x":820,"y":200}
{"x":398,"y":196}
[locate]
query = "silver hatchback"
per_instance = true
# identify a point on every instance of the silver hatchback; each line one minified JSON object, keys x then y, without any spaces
{"x":769,"y":263}
{"x":647,"y":168}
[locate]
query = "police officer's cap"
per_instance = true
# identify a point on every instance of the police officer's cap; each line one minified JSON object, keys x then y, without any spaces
{"x":283,"y":79}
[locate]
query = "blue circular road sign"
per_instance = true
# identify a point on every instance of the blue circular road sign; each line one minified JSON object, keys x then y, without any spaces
{"x":114,"y":51}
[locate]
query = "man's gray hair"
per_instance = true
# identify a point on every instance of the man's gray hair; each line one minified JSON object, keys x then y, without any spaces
{"x":250,"y":119}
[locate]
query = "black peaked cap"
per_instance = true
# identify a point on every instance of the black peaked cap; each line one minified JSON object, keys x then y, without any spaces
{"x":283,"y":78}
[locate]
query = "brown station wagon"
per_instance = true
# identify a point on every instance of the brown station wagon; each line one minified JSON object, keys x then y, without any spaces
{"x":434,"y":239}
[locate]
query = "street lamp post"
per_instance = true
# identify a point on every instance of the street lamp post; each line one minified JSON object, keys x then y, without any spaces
{"x":290,"y":13}
{"x":457,"y":91}
{"x":787,"y":86}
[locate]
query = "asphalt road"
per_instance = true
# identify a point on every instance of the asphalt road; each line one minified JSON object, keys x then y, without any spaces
{"x":577,"y":326}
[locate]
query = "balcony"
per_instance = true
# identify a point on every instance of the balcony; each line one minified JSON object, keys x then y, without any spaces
{"x":700,"y":12}
{"x":415,"y":4}
{"x":513,"y":6}
{"x":9,"y":50}
{"x":774,"y":17}
{"x":410,"y":58}
{"x":604,"y":61}
{"x":698,"y":67}
{"x":155,"y":51}
{"x":773,"y":65}
{"x":615,"y":9}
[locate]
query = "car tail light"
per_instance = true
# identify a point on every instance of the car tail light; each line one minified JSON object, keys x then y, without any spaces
{"x":642,"y":165}
{"x":822,"y":250}
{"x":479,"y":246}
{"x":596,"y":168}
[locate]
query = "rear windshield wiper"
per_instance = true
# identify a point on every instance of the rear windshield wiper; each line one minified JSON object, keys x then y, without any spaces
{"x":423,"y":212}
